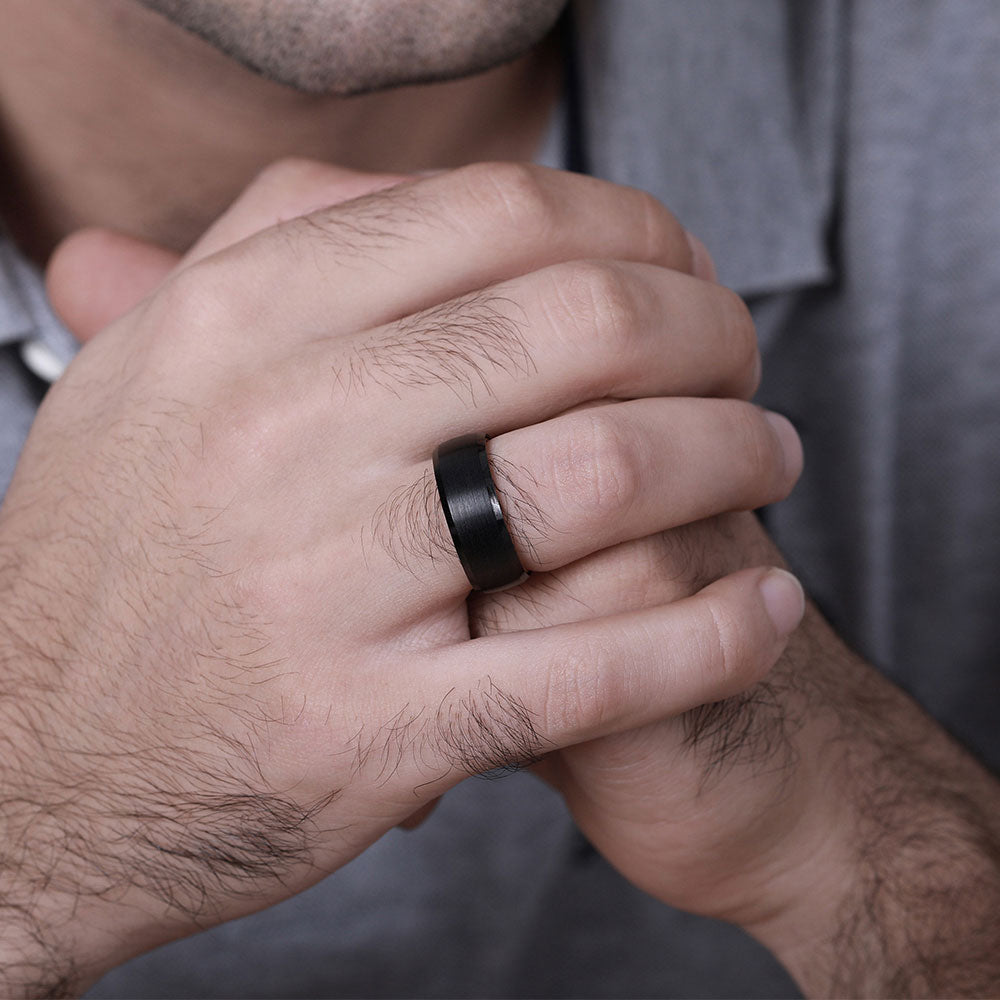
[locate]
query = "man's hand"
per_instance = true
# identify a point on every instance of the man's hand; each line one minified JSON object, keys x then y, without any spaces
{"x":235,"y":640}
{"x":821,"y":810}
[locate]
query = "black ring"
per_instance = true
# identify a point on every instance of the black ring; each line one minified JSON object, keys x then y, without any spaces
{"x":474,"y":516}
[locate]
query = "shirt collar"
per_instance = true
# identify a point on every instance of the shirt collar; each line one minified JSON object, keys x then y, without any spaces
{"x":26,"y":316}
{"x":728,"y":114}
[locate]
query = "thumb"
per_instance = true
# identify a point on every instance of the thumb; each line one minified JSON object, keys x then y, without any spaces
{"x":96,"y":275}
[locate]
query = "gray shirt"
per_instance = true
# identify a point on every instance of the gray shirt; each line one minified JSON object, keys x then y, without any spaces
{"x":840,"y":159}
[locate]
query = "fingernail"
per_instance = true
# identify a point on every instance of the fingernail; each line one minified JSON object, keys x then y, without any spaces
{"x":784,"y":599}
{"x":789,"y":439}
{"x":702,"y":265}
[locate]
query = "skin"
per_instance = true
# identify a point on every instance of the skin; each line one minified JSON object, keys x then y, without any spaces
{"x":822,"y":811}
{"x":80,"y":122}
{"x":243,"y":721}
{"x":774,"y":783}
{"x":349,"y":47}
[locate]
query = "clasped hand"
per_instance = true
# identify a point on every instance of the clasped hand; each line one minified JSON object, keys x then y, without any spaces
{"x":236,"y":636}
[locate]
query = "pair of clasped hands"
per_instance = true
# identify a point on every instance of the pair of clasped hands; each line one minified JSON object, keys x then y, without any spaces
{"x":245,"y":646}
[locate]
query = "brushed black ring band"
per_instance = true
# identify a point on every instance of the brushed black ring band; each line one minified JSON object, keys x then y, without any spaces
{"x":475,"y":518}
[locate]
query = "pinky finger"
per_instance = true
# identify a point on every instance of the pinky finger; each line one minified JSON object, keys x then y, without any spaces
{"x":558,"y":686}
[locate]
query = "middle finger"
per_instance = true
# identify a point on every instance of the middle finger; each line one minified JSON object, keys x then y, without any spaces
{"x":528,"y":349}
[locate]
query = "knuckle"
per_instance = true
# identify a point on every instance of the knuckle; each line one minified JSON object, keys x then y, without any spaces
{"x":249,"y":433}
{"x":190,"y":311}
{"x":182,"y":296}
{"x":730,"y":655}
{"x":588,"y":688}
{"x":511,"y":194}
{"x":597,"y":300}
{"x":598,"y":469}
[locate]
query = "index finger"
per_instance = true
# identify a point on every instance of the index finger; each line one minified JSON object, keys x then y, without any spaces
{"x":387,"y":255}
{"x":285,"y":190}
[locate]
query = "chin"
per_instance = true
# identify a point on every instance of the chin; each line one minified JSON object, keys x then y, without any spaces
{"x":352,"y":47}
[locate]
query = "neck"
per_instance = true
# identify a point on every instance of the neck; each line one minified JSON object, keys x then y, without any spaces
{"x":114,"y":117}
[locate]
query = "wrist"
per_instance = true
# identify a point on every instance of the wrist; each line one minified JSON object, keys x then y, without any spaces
{"x":803,"y":897}
{"x":57,"y":936}
{"x":898,"y":894}
{"x":802,"y":922}
{"x":63,"y":921}
{"x":57,"y":941}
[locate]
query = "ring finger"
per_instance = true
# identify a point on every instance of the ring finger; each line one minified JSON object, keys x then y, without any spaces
{"x":593,"y":478}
